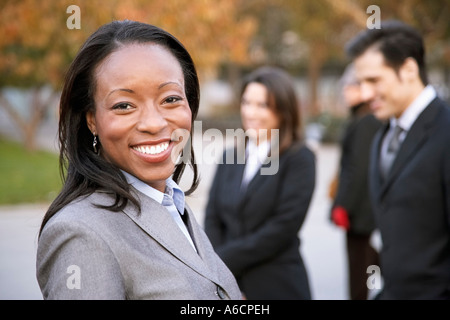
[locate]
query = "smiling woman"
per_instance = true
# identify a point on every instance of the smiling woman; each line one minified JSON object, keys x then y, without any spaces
{"x":135,"y":114}
{"x":121,"y":218}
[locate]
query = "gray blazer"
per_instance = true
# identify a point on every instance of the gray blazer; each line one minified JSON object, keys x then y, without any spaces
{"x":86,"y":252}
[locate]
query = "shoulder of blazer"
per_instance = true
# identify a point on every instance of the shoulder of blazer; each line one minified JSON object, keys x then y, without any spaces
{"x":443,"y":110}
{"x":436,"y":116}
{"x":297,"y":155}
{"x":299,"y":150}
{"x":435,"y":112}
{"x":86,"y":210}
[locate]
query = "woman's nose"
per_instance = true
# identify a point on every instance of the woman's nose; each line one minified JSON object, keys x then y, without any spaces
{"x":151,"y":119}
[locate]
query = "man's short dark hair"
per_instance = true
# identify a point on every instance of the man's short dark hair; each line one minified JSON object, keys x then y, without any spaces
{"x":396,"y":40}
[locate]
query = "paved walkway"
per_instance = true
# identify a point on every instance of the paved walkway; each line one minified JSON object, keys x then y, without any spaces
{"x":322,"y":244}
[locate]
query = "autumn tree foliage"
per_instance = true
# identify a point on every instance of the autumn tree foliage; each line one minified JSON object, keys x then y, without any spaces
{"x":323,"y":27}
{"x":36,"y":45}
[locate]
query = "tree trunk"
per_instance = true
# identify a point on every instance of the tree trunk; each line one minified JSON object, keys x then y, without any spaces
{"x":37,"y":110}
{"x":314,"y":68}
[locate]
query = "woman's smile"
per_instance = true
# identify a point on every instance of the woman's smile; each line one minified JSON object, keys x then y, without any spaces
{"x":153,"y":152}
{"x":140,"y":104}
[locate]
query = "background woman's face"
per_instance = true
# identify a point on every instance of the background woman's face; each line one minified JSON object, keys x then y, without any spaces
{"x":140,"y":102}
{"x":256,"y":112}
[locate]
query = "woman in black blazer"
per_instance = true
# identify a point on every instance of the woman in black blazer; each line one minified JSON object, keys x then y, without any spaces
{"x":253,"y":216}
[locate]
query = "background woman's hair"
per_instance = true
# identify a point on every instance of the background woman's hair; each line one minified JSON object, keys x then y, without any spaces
{"x":84,"y":171}
{"x":282,"y":98}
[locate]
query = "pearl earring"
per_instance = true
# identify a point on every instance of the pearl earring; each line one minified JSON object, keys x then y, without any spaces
{"x":94,"y":143}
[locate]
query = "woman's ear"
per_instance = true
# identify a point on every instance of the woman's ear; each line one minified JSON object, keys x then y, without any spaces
{"x":90,"y":120}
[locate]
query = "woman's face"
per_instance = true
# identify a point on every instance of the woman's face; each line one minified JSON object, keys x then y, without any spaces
{"x":140,"y":106}
{"x":256,"y":112}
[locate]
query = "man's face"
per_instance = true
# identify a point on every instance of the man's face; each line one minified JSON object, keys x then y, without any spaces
{"x":384,"y":89}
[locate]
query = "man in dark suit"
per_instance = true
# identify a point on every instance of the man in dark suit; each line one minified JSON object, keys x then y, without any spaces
{"x":409,"y":172}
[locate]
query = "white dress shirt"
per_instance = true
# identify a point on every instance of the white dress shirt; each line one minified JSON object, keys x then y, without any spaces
{"x":409,"y":116}
{"x":172,"y":200}
{"x":256,"y":154}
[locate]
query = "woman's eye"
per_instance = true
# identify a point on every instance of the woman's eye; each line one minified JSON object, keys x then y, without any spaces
{"x":122,"y":106}
{"x":172,"y":99}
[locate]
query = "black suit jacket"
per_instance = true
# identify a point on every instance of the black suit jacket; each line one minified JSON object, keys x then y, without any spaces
{"x":353,"y":187}
{"x":412,"y":209}
{"x":255,"y":232}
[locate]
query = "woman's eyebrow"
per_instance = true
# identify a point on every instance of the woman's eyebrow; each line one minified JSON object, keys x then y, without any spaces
{"x":162,"y":85}
{"x":120,"y":89}
{"x":159,"y":87}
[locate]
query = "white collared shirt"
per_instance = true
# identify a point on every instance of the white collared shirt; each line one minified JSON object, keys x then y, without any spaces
{"x":173,"y":192}
{"x":410,"y":115}
{"x":256,"y":154}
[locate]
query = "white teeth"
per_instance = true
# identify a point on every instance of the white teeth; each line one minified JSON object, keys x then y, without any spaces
{"x":152,"y":149}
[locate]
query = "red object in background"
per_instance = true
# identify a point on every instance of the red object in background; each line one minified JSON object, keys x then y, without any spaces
{"x":340,"y":217}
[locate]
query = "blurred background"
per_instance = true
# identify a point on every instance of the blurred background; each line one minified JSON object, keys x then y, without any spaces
{"x":227,"y":39}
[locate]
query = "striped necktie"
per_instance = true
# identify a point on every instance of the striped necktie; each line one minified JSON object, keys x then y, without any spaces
{"x":391,"y":153}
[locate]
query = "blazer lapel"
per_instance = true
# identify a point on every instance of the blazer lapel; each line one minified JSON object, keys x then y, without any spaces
{"x":204,"y":249}
{"x":258,"y":180}
{"x":254,"y":183}
{"x":237,"y":191}
{"x":375,"y":174}
{"x":157,"y":222}
{"x":415,"y":138}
